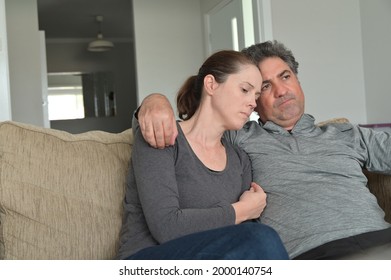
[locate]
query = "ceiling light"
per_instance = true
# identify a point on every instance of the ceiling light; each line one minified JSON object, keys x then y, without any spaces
{"x":100,"y":45}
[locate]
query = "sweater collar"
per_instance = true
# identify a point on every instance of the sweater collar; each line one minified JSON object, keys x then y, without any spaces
{"x":305,"y":124}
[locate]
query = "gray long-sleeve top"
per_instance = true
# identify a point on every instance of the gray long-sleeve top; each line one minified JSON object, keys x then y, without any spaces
{"x":170,"y":193}
{"x":313,"y":177}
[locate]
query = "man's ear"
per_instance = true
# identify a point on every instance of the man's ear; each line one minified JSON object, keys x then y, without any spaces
{"x":210,"y":83}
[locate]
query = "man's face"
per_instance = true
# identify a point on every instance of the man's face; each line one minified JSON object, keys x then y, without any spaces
{"x":282,"y":98}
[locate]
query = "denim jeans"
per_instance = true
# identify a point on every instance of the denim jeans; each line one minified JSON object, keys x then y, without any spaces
{"x":247,"y":241}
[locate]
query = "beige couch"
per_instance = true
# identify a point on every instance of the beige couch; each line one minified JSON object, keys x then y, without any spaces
{"x":61,"y":194}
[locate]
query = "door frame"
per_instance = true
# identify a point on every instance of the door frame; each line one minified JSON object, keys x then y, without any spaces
{"x":262,"y":22}
{"x":5,"y":98}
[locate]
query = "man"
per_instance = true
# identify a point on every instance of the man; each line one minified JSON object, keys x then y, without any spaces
{"x":318,"y":200}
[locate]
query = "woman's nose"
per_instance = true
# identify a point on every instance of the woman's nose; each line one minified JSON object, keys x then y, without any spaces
{"x":253,"y":102}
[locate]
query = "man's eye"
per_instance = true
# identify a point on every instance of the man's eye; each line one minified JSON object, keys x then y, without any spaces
{"x":286,"y":77}
{"x":265,"y":87}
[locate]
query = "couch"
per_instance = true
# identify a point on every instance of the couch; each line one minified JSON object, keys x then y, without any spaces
{"x":61,"y":194}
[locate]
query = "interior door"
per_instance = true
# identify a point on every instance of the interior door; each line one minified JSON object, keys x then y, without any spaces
{"x":225,"y":26}
{"x":235,"y":24}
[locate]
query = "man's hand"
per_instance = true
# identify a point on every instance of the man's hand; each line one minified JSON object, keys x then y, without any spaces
{"x":157,"y":121}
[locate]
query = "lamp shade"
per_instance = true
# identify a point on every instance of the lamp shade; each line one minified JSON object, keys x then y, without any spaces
{"x":100,"y":45}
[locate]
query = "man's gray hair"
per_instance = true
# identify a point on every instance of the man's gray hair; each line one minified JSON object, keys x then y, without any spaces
{"x":259,"y":52}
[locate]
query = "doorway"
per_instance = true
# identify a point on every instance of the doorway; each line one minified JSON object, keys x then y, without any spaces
{"x":235,"y":24}
{"x":100,"y":86}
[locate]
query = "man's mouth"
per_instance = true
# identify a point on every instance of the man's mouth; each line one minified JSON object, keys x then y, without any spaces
{"x":284,"y":100}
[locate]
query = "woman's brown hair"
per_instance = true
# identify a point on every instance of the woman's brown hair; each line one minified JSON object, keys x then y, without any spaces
{"x":220,"y":65}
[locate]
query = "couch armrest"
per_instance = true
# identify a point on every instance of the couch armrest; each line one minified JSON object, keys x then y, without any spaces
{"x":380,"y":186}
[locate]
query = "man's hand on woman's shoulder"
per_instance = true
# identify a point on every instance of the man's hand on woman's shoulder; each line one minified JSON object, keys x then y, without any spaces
{"x":157,"y":121}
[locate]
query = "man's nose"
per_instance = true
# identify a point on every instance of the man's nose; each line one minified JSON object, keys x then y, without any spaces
{"x":280,"y":90}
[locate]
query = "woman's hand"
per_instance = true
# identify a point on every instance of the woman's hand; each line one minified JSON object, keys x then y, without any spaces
{"x":251,"y":204}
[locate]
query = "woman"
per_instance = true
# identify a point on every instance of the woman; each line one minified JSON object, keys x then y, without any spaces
{"x":190,"y":200}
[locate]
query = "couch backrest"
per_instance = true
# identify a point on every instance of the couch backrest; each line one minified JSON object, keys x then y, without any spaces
{"x":61,"y":194}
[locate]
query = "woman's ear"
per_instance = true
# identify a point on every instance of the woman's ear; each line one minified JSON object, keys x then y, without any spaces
{"x":210,"y":84}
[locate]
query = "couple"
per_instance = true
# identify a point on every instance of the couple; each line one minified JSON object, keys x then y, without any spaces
{"x":318,"y":201}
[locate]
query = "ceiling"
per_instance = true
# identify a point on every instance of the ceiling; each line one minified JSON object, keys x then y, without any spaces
{"x":76,"y":18}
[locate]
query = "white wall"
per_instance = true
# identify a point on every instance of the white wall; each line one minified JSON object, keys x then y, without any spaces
{"x":24,"y":61}
{"x":207,"y":5}
{"x":333,"y":41}
{"x":376,"y":24}
{"x":5,"y":101}
{"x":169,"y":45}
{"x":325,"y":37}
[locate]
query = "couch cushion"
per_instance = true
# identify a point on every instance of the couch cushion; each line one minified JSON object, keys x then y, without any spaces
{"x":61,"y":194}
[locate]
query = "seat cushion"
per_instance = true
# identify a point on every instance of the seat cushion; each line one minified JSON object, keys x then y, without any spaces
{"x":61,"y":194}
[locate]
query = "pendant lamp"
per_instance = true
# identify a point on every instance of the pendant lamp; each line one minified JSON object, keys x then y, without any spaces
{"x":100,"y":45}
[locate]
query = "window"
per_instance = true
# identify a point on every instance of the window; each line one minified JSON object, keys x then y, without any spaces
{"x":65,"y":96}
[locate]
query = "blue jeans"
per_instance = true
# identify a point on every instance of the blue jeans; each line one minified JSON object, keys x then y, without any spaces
{"x":247,"y":241}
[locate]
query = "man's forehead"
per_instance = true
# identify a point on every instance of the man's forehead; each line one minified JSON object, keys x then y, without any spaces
{"x":273,"y":66}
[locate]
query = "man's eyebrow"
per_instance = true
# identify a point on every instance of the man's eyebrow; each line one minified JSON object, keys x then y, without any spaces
{"x":265,"y":82}
{"x":279,"y":76}
{"x":284,"y":72}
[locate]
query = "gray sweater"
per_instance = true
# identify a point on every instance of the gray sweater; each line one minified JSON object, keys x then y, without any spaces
{"x":313,"y":177}
{"x":170,"y":193}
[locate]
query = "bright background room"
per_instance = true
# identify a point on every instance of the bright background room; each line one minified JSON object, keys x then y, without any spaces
{"x":342,"y":48}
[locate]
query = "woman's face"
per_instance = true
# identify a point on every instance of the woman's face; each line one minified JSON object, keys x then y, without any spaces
{"x":235,"y":99}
